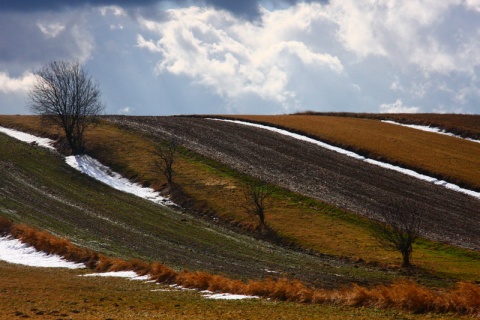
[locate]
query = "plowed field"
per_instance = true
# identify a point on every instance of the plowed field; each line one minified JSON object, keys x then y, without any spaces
{"x":313,"y":171}
{"x":452,"y":159}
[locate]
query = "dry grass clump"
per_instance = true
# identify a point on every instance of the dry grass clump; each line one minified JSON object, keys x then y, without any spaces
{"x":464,"y":299}
{"x":407,"y":295}
{"x":5,"y":226}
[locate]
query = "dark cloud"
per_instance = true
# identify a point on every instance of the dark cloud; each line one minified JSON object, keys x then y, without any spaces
{"x":244,"y":8}
{"x":28,"y":5}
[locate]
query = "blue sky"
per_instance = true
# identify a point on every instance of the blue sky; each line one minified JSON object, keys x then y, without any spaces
{"x":258,"y":57}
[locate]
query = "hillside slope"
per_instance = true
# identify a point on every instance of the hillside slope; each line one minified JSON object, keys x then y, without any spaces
{"x":38,"y":188}
{"x":302,"y":167}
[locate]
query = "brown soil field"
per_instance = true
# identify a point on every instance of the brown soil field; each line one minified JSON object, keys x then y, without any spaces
{"x":448,"y":158}
{"x":449,"y":216}
{"x":465,"y":125}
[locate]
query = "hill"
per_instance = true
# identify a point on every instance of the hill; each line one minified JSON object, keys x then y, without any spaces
{"x":316,"y":242}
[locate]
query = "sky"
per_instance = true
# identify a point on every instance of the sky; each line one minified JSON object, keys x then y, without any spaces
{"x":159,"y":57}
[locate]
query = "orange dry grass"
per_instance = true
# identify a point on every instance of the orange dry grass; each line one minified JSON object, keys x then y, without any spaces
{"x":465,"y":299}
{"x":449,"y":158}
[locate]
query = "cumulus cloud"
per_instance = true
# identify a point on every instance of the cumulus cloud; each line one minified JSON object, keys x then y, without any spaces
{"x":233,"y":57}
{"x":397,"y":107}
{"x":16,"y":85}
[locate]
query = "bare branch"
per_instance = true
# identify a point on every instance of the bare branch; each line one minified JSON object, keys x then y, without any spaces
{"x":400,"y":228}
{"x":165,"y":154}
{"x":257,"y":196}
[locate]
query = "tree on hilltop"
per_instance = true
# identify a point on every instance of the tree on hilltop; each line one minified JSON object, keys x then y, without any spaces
{"x":65,"y":95}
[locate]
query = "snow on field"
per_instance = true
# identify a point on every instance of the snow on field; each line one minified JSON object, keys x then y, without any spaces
{"x":94,"y":169}
{"x":132,"y":275}
{"x":14,"y":251}
{"x":388,"y":166}
{"x":22,"y":136}
{"x":228,"y":296}
{"x":98,"y":171}
{"x":429,"y":129}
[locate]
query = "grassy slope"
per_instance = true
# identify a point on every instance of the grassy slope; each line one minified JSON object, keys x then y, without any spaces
{"x":449,"y":158}
{"x":48,"y":194}
{"x":308,"y":223}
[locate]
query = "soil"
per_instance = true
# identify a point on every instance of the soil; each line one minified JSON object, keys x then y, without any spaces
{"x":448,"y":216}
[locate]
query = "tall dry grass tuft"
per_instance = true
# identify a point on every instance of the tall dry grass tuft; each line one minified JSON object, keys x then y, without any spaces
{"x":5,"y":226}
{"x":463,"y":299}
{"x":205,"y":281}
{"x":282,"y":289}
{"x":407,"y":295}
{"x":161,"y":273}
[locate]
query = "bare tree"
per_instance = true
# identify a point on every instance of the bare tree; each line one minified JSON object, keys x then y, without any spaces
{"x":400,"y":228}
{"x":257,"y":196}
{"x":165,"y":154}
{"x":64,"y":94}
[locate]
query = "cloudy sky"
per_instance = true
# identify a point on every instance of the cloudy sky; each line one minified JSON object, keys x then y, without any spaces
{"x":154,"y":57}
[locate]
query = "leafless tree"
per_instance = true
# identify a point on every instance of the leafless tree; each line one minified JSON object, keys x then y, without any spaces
{"x":165,"y":154}
{"x":66,"y":95}
{"x":400,"y":228}
{"x":257,"y":196}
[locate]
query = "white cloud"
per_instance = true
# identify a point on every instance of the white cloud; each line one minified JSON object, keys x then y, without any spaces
{"x":16,"y":85}
{"x":51,"y":30}
{"x":236,"y":58}
{"x":84,"y":41}
{"x":114,"y":10}
{"x":397,"y":107}
{"x":473,"y":5}
{"x":125,"y":110}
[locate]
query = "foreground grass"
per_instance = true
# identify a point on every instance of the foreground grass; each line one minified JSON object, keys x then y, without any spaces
{"x":59,"y":293}
{"x":306,"y":223}
{"x":464,"y":299}
{"x":448,"y":158}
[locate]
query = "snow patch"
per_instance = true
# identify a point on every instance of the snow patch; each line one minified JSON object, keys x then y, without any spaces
{"x":98,"y":171}
{"x":229,"y":296}
{"x":354,"y":155}
{"x":429,"y":129}
{"x":26,"y":137}
{"x":14,"y":251}
{"x":132,"y":275}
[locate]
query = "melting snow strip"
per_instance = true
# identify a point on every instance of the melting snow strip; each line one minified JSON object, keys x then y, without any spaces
{"x":26,"y":137}
{"x":408,"y":172}
{"x":98,"y":171}
{"x":132,"y":275}
{"x":429,"y":129}
{"x":14,"y":251}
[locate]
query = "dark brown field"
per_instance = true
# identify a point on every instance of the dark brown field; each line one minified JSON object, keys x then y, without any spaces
{"x":348,"y":183}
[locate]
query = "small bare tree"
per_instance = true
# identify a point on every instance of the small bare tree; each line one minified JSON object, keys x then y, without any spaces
{"x":165,"y":154}
{"x":64,"y":94}
{"x":257,"y":196}
{"x":400,"y":228}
